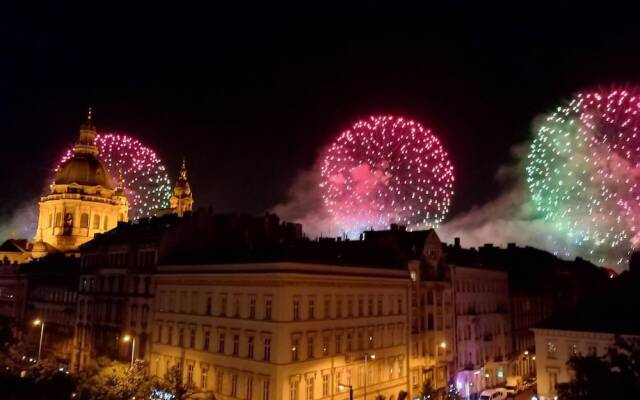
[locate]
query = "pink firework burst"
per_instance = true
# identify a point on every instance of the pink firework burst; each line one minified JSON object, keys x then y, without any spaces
{"x":385,"y":170}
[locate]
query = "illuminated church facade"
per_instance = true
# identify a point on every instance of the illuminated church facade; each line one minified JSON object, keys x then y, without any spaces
{"x":83,"y":200}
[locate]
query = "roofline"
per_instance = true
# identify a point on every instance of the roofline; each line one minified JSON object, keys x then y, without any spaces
{"x":284,"y":267}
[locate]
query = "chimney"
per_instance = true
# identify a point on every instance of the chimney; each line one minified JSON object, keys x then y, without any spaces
{"x":456,"y":243}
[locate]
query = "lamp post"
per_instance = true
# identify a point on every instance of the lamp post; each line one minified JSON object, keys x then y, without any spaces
{"x":129,"y":338}
{"x":366,"y":357}
{"x":341,"y":387}
{"x":39,"y":322}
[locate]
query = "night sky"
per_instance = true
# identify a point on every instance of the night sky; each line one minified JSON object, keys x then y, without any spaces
{"x":251,"y":95}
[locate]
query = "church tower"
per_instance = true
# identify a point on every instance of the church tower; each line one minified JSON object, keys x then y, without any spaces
{"x":182,"y":199}
{"x":82,"y":200}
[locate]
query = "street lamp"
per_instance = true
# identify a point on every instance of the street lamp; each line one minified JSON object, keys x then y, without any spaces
{"x":342,"y":387}
{"x":366,"y":357}
{"x":443,"y":344}
{"x":129,"y":338}
{"x":39,"y":322}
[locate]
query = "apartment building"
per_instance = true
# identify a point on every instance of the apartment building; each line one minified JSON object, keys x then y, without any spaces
{"x":285,"y":330}
{"x":483,"y":340}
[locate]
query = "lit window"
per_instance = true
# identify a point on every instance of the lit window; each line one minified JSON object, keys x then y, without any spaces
{"x":552,"y":350}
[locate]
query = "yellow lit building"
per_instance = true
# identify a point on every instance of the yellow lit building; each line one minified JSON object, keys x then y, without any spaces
{"x":182,"y":199}
{"x":83,"y":200}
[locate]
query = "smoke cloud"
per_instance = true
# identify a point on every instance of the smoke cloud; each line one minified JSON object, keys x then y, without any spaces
{"x":511,"y":217}
{"x":21,"y":222}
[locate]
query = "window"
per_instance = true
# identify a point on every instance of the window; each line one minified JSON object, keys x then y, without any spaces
{"x":96,"y":222}
{"x":207,"y":339}
{"x":252,"y":307}
{"x":250,"y":346}
{"x":190,"y":374}
{"x":265,"y":390}
{"x":312,"y":310}
{"x":294,"y":350}
{"x":360,"y":307}
{"x":592,"y":350}
{"x":236,"y":306}
{"x":223,"y":305}
{"x":221,"y":343}
{"x":310,"y":382}
{"x":573,"y":350}
{"x":181,"y":337}
{"x":170,"y":335}
{"x":339,"y":308}
{"x":208,"y":305}
{"x":296,"y":310}
{"x":348,"y":342}
{"x":552,"y":350}
{"x":236,"y":345}
{"x":106,"y":223}
{"x":310,"y":347}
{"x":267,"y":349}
{"x":293,"y":391}
{"x":338,"y":344}
{"x":327,"y":307}
{"x":325,"y":385}
{"x":350,"y":308}
{"x":379,"y":310}
{"x":84,"y":220}
{"x":234,"y":385}
{"x":267,"y":309}
{"x":203,"y":378}
{"x":249,"y":387}
{"x":325,"y":346}
{"x":370,"y":307}
{"x":219,"y":381}
{"x":553,"y":381}
{"x":59,"y":219}
{"x":400,"y":305}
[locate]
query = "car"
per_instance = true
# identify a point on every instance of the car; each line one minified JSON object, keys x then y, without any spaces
{"x":493,"y":394}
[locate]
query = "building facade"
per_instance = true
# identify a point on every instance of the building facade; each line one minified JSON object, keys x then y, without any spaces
{"x":483,"y":334}
{"x":82,"y":202}
{"x":283,"y":330}
{"x":556,"y":346}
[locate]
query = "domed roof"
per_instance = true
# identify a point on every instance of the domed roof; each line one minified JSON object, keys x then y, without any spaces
{"x":83,"y":169}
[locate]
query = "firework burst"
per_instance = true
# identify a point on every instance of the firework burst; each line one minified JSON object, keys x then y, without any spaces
{"x":385,"y":170}
{"x":583,"y":171}
{"x":137,"y":168}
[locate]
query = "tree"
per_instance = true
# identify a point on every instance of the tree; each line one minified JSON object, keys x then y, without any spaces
{"x":452,"y":391}
{"x":613,"y":375}
{"x":106,"y":379}
{"x":428,"y":392}
{"x":173,"y":384}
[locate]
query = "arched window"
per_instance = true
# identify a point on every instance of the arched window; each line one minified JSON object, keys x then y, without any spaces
{"x":84,"y":220}
{"x":96,"y":221}
{"x":58,"y":219}
{"x":106,"y":222}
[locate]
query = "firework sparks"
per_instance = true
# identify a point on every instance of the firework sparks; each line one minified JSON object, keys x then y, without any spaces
{"x":140,"y":170}
{"x":386,"y":170}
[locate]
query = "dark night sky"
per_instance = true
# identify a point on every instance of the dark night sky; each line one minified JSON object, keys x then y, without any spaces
{"x":250,"y":95}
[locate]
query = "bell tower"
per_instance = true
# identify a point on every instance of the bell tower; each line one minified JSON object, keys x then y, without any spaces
{"x":181,"y":200}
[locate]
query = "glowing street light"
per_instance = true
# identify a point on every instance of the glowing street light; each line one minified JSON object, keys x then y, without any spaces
{"x":342,"y":387}
{"x":39,"y":322}
{"x":129,"y":338}
{"x":443,"y":344}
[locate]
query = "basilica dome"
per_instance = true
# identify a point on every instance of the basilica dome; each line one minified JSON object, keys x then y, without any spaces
{"x":83,"y":169}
